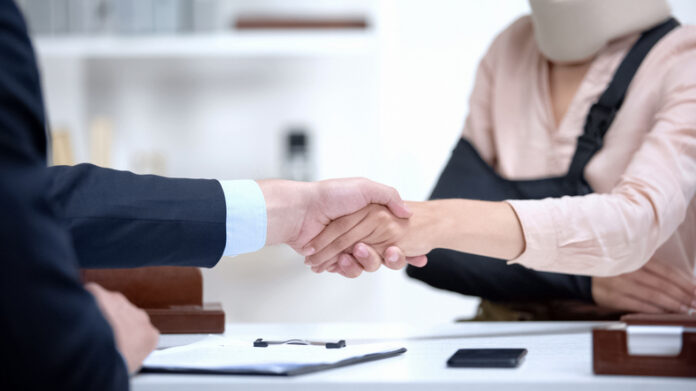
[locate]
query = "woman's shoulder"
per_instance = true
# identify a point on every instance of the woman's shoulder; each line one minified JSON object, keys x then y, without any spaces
{"x":517,"y":38}
{"x":675,"y":57}
{"x":678,"y":43}
{"x":521,"y":27}
{"x":517,"y":34}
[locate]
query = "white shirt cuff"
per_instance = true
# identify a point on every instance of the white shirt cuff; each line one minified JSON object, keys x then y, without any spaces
{"x":246,"y":217}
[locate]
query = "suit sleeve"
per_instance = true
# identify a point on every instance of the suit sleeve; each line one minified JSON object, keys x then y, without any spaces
{"x":119,"y":219}
{"x":54,"y":336}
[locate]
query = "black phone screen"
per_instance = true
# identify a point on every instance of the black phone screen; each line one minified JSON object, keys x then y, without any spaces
{"x":486,"y":358}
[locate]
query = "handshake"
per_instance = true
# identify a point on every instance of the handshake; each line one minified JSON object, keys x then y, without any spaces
{"x":346,"y":226}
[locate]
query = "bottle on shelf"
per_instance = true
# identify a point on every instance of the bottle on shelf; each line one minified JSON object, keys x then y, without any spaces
{"x":297,"y":164}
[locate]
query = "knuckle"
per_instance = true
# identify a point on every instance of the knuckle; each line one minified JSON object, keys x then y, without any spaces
{"x":383,"y":216}
{"x":393,"y":227}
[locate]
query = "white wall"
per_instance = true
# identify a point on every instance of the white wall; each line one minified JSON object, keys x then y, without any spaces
{"x":430,"y":53}
{"x":392,"y":115}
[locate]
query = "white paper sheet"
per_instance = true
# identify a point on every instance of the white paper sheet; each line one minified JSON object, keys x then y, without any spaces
{"x":220,"y":353}
{"x":655,"y":340}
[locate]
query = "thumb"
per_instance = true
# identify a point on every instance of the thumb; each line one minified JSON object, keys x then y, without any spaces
{"x":377,"y":193}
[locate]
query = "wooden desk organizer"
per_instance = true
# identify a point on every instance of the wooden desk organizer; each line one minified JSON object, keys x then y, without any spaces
{"x":610,"y":349}
{"x":172,"y":296}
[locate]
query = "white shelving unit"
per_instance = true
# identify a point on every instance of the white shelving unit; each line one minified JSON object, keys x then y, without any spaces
{"x":238,"y":44}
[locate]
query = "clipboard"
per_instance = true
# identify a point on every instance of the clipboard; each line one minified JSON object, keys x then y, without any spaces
{"x":223,"y":356}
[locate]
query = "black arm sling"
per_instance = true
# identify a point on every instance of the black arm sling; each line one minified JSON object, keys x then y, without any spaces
{"x":466,"y":175}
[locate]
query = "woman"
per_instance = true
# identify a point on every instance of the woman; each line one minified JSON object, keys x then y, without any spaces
{"x":632,"y":194}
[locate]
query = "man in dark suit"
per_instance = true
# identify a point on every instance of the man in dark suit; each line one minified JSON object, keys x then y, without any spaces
{"x":55,"y":220}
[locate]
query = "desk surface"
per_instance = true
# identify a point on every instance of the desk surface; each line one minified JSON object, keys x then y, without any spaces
{"x":559,"y":357}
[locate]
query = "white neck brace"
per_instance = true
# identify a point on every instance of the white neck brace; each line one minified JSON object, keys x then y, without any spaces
{"x":572,"y":31}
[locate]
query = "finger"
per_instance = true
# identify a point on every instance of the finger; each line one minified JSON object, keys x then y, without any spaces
{"x":418,"y":261}
{"x":368,"y":258}
{"x":394,"y":258}
{"x":628,"y":303}
{"x":94,"y":288}
{"x":377,"y":193}
{"x":660,"y":291}
{"x":672,"y":274}
{"x":340,"y":244}
{"x":333,"y":268}
{"x":98,"y":292}
{"x":657,"y":298}
{"x":348,"y":266}
{"x":326,"y":265}
{"x":335,"y":229}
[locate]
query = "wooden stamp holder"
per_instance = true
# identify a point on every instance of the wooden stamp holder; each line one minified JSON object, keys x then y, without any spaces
{"x":172,"y":296}
{"x":610,"y":349}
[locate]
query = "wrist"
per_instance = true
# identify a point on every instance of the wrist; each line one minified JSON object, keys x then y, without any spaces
{"x":426,"y":225}
{"x":477,"y":227}
{"x":442,"y":227}
{"x":445,"y":222}
{"x":286,"y":206}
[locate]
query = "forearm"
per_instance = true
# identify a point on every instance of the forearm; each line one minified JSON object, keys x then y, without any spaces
{"x":119,"y":219}
{"x":478,"y":227}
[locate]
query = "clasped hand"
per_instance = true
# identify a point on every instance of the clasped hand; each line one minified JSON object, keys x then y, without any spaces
{"x":368,"y":238}
{"x":325,"y":220}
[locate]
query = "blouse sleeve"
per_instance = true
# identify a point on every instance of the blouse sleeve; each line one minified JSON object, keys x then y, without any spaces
{"x":618,"y":232}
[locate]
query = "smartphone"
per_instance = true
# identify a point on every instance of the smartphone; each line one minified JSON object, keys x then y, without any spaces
{"x":487,"y":358}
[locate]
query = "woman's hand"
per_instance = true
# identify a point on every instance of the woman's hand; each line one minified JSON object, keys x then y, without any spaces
{"x":365,"y":258}
{"x":369,"y":234}
{"x":478,"y":227}
{"x":655,"y":288}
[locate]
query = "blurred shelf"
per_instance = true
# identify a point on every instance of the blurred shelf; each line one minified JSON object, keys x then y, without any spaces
{"x":233,"y":44}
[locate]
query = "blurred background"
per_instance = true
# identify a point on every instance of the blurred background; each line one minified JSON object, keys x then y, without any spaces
{"x":302,"y":89}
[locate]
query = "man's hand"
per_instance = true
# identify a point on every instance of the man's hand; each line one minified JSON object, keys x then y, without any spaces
{"x":655,"y":288}
{"x":135,"y":336}
{"x":299,"y":211}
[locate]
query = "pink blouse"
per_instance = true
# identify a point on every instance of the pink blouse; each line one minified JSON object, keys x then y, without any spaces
{"x":644,"y":176}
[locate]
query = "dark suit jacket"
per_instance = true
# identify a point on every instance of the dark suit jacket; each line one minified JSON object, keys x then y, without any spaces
{"x":55,"y":220}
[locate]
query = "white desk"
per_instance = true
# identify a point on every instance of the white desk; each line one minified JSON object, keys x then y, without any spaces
{"x":559,"y":358}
